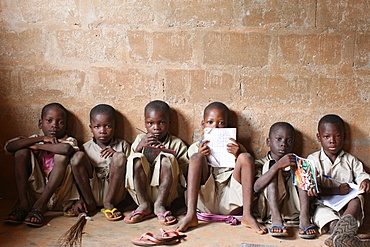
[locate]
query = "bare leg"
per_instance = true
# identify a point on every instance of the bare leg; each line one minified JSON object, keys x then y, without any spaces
{"x":164,"y":189}
{"x":141,"y":185}
{"x":116,"y":178}
{"x":273,"y":200}
{"x":244,"y":174}
{"x":197,"y":175}
{"x":304,"y":216}
{"x":354,"y":208}
{"x":82,"y":171}
{"x":55,"y":180}
{"x":22,"y":170}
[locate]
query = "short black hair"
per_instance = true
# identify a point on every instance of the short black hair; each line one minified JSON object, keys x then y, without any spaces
{"x":54,"y":104}
{"x":217,"y":105}
{"x":333,"y":119}
{"x":158,"y":105}
{"x":103,"y":109}
{"x":281,"y":125}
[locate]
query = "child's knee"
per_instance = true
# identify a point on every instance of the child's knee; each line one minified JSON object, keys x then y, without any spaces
{"x":245,"y":159}
{"x":197,"y":158}
{"x":61,"y":159}
{"x":119,"y":159}
{"x":77,"y":158}
{"x":22,"y":154}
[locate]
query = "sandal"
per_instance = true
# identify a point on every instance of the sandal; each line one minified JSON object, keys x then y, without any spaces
{"x":303,"y":232}
{"x":17,"y":216}
{"x":35,"y":213}
{"x":148,"y":239}
{"x":169,"y":235}
{"x":283,"y":232}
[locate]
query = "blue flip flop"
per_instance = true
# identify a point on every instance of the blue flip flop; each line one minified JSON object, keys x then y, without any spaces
{"x":282,"y":233}
{"x":305,"y":235}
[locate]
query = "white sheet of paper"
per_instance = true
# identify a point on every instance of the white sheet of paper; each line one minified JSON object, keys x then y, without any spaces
{"x":337,"y":202}
{"x":218,"y":139}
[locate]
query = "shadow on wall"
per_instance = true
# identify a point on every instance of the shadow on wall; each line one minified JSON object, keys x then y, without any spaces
{"x":74,"y":128}
{"x":123,"y":124}
{"x":178,"y":121}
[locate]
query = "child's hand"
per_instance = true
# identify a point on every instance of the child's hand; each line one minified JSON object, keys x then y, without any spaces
{"x":203,"y":148}
{"x":107,"y":152}
{"x":365,"y":186}
{"x":312,"y":192}
{"x":148,"y":140}
{"x":344,"y":189}
{"x":233,"y":147}
{"x":285,"y":161}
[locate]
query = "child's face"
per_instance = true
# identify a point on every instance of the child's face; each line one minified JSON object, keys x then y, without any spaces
{"x":102,"y":126}
{"x":280,"y":141}
{"x":215,"y":118}
{"x":331,"y":137}
{"x":157,"y":123}
{"x":53,"y":122}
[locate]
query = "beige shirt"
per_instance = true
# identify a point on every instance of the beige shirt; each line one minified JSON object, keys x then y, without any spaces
{"x":221,"y":174}
{"x":346,"y":168}
{"x":100,"y":164}
{"x":171,"y":142}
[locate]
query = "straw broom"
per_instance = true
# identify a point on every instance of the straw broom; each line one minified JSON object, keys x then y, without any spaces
{"x":73,"y":237}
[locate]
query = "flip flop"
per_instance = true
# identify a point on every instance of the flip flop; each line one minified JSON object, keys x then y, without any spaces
{"x":111,"y":217}
{"x":148,"y":239}
{"x":165,"y":220}
{"x":130,"y":219}
{"x":35,"y":213}
{"x":346,"y":225}
{"x":17,"y":216}
{"x":344,"y":240}
{"x":170,"y":235}
{"x":282,"y":233}
{"x":305,"y":235}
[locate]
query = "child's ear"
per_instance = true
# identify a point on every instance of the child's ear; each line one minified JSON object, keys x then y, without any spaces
{"x":40,"y":123}
{"x":268,"y":141}
{"x":318,"y":136}
{"x":90,"y":127}
{"x":202,"y":123}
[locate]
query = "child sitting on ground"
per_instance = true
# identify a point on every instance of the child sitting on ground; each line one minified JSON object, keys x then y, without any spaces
{"x":160,"y":180}
{"x":284,"y":201}
{"x":42,"y":172}
{"x":219,"y":190}
{"x":340,"y":168}
{"x":100,"y":170}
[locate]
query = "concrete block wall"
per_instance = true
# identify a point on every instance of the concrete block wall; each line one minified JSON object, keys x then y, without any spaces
{"x":267,"y":60}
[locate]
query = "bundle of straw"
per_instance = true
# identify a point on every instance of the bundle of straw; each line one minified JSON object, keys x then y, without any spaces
{"x":73,"y":237}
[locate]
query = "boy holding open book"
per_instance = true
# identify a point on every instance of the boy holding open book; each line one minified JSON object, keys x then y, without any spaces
{"x":219,"y":190}
{"x":156,"y":167}
{"x":340,"y":168}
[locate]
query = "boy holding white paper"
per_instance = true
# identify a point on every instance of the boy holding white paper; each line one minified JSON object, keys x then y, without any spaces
{"x":219,"y":190}
{"x":343,"y":168}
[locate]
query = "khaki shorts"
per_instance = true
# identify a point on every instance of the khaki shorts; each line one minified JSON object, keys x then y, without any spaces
{"x":153,"y":174}
{"x":100,"y":186}
{"x":323,"y":214}
{"x":220,"y":198}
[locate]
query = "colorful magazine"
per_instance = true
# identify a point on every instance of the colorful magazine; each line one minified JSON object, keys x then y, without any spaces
{"x":304,"y":174}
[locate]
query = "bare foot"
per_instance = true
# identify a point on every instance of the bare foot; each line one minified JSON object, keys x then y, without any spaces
{"x":186,"y":222}
{"x":251,"y":222}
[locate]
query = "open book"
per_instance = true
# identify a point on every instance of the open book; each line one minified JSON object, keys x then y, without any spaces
{"x":337,"y":202}
{"x":218,"y":139}
{"x":304,"y":174}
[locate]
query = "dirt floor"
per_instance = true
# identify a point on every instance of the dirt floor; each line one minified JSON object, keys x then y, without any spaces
{"x":100,"y":231}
